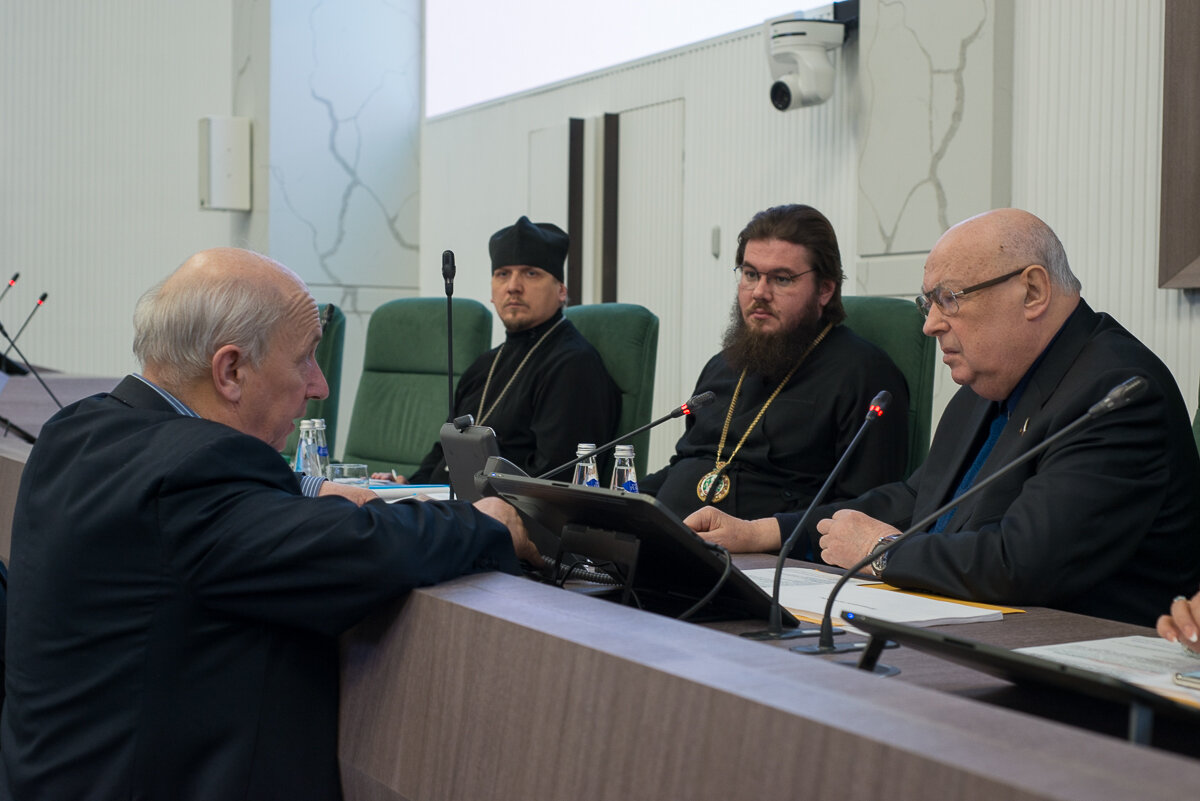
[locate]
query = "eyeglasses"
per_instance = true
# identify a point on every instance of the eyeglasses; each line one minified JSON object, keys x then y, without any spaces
{"x":779,"y":282}
{"x":947,"y":299}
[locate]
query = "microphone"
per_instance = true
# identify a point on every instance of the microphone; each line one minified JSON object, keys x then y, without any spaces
{"x":774,"y":629}
{"x":690,"y":405}
{"x":9,"y":286}
{"x":448,"y":271}
{"x":1118,"y":397}
{"x":13,"y":344}
{"x":36,"y":306}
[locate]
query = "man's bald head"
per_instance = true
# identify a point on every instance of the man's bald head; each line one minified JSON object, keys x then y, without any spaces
{"x":1007,"y":239}
{"x":217,"y":297}
{"x":1000,"y":288}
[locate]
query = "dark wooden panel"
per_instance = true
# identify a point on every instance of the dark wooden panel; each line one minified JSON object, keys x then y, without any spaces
{"x":495,"y":687}
{"x":575,"y":212}
{"x":1179,"y":232}
{"x":609,"y":214}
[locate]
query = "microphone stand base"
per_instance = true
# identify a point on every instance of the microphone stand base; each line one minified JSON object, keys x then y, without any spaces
{"x":837,"y":648}
{"x":878,"y":669}
{"x":868,"y":662}
{"x":786,"y":634}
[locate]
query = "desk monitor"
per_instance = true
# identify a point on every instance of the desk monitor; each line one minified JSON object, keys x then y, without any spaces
{"x":674,"y":567}
{"x":1025,"y":668}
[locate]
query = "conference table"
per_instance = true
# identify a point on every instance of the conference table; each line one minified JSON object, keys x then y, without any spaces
{"x":495,"y":686}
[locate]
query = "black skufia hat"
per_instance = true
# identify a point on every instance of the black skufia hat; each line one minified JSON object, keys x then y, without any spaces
{"x":541,"y":245}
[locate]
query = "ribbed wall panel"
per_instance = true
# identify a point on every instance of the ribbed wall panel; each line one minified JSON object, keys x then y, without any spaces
{"x":1087,"y":158}
{"x":99,"y":145}
{"x":649,"y":263}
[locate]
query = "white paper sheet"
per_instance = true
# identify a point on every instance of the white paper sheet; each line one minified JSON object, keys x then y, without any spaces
{"x":806,"y":590}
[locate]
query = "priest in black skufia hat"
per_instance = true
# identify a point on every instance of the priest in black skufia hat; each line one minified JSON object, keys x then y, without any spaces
{"x":545,"y":390}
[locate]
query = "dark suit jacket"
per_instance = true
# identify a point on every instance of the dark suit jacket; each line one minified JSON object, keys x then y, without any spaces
{"x":1106,"y":522}
{"x":175,"y":602}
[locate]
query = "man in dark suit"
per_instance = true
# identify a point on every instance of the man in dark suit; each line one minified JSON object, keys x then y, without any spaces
{"x":1106,"y":522}
{"x":175,"y":596}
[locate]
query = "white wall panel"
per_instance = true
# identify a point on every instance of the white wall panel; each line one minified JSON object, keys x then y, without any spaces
{"x":649,"y":255}
{"x":99,"y":146}
{"x":1086,"y":144}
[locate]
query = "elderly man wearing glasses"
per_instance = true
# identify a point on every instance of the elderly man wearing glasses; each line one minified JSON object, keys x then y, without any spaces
{"x":792,"y":385}
{"x":1105,"y":522}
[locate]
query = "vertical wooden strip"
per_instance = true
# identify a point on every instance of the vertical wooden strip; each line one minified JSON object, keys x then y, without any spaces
{"x":612,"y":157}
{"x":575,"y":212}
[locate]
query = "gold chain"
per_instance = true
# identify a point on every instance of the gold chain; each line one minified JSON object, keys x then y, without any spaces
{"x":511,"y":378}
{"x":723,"y":488}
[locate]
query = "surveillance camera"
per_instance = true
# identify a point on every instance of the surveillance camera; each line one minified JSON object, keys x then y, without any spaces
{"x":801,"y":72}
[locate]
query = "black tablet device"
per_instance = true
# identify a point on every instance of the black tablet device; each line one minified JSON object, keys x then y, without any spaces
{"x":1025,"y":668}
{"x":674,"y":567}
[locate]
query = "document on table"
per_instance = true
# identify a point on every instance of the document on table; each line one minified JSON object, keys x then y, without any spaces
{"x":398,"y":492}
{"x":805,"y":591}
{"x":1148,"y":662}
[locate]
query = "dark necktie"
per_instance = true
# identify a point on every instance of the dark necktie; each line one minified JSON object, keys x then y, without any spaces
{"x":997,"y":427}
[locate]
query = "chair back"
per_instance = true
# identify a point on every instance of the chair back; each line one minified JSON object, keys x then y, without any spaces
{"x":329,"y":357}
{"x":1196,"y":427}
{"x":894,"y":326}
{"x":626,"y":337}
{"x":401,"y":401}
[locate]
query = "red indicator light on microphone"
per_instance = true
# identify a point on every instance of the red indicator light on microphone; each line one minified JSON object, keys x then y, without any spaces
{"x":878,"y":410}
{"x":685,"y":408}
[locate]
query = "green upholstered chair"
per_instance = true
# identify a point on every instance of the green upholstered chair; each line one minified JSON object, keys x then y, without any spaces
{"x":626,"y":336}
{"x":401,"y":402}
{"x":1196,"y":427}
{"x":894,"y":326}
{"x":329,"y":357}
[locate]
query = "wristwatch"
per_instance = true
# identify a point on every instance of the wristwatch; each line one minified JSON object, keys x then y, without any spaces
{"x":880,"y":562}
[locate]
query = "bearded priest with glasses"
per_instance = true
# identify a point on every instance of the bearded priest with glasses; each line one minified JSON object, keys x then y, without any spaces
{"x":792,"y":385}
{"x":1105,"y":522}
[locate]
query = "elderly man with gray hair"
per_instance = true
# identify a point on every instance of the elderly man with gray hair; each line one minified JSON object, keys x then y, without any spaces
{"x":175,"y":598}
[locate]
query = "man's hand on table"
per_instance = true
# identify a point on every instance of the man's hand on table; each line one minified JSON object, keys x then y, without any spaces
{"x":848,"y":536}
{"x":734,"y":534}
{"x":506,"y":514}
{"x":356,"y":494}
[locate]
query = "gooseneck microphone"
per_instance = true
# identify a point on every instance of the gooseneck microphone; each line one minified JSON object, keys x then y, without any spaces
{"x":40,"y":302}
{"x":448,"y":271}
{"x":693,"y":403}
{"x":774,"y":629}
{"x":9,"y":285}
{"x":1118,"y":397}
{"x":12,"y":344}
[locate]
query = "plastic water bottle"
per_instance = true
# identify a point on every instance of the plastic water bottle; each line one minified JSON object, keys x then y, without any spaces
{"x":624,"y":475}
{"x":322,"y":450}
{"x":585,"y":471}
{"x":304,"y":444}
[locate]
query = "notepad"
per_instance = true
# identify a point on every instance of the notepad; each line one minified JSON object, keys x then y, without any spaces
{"x":397,"y":492}
{"x":805,"y":591}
